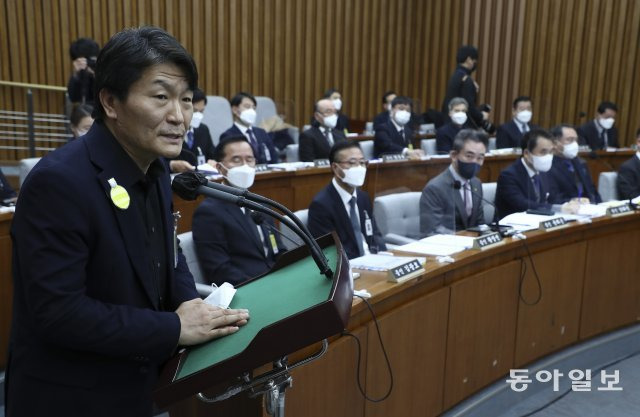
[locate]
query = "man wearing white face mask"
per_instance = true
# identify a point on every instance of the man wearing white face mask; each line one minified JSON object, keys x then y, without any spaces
{"x":234,"y":244}
{"x":197,"y":148}
{"x":524,"y":184}
{"x":600,"y":133}
{"x":316,"y":142}
{"x":509,"y":134}
{"x":458,"y":108}
{"x":569,"y":175}
{"x":343,"y":120}
{"x":243,"y":107}
{"x":382,"y":118}
{"x":342,"y":207}
{"x":396,"y":136}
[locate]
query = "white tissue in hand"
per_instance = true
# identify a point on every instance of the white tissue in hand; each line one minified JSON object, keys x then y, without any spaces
{"x":221,"y":296}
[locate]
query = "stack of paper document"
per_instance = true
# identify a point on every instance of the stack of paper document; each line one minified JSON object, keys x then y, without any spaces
{"x":524,"y":221}
{"x":290,"y":166}
{"x":382,"y":262}
{"x":438,"y":245}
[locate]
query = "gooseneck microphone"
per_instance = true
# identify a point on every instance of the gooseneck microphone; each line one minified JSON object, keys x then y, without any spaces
{"x":494,"y":225}
{"x":189,"y":185}
{"x":258,"y":218}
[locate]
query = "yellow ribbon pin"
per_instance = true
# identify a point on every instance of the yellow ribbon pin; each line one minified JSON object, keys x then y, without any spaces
{"x":119,"y":195}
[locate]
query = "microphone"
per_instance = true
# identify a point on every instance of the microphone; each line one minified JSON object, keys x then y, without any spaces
{"x":189,"y":185}
{"x":258,"y":218}
{"x":494,"y":225}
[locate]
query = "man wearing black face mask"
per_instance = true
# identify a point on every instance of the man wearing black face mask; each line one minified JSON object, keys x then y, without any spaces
{"x":446,"y":207}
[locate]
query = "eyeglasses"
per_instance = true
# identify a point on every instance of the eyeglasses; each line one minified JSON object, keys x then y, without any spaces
{"x":355,"y":162}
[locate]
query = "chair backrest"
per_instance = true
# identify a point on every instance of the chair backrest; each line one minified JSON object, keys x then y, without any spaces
{"x":25,"y":166}
{"x":292,"y":152}
{"x":265,"y":109}
{"x":303,"y":215}
{"x":367,"y":148}
{"x":399,"y":214}
{"x":217,"y":116}
{"x":428,"y":146}
{"x":489,"y":194}
{"x":607,"y":186}
{"x":492,"y":143}
{"x":189,"y":251}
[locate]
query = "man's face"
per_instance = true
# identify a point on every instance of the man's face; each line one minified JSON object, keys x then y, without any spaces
{"x":608,"y":113}
{"x":543,"y":147}
{"x":237,"y":154}
{"x":199,"y":106}
{"x":245,"y":104}
{"x":471,"y":152}
{"x":522,"y":106}
{"x":458,"y":108}
{"x":325,"y":108}
{"x":569,"y":135}
{"x":153,"y":119}
{"x":346,"y":159}
{"x":399,"y":107}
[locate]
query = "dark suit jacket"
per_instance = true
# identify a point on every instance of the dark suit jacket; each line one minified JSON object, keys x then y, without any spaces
{"x":388,"y":139}
{"x":445,"y":135}
{"x":266,"y":152}
{"x":380,"y":119}
{"x":628,"y":180}
{"x":515,"y":191}
{"x":588,"y":134}
{"x":509,"y":135}
{"x":563,"y":181}
{"x":314,"y":145}
{"x":327,"y":213}
{"x":202,"y":140}
{"x":228,"y":245}
{"x":88,"y":333}
{"x":442,"y":208}
{"x":6,"y":191}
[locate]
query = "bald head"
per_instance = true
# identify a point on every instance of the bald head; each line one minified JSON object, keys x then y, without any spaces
{"x":324,"y":108}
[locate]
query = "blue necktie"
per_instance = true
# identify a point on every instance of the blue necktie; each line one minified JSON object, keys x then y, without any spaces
{"x":356,"y":225}
{"x":190,"y":139}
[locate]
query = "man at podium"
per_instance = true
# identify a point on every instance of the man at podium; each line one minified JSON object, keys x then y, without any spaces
{"x":101,"y":299}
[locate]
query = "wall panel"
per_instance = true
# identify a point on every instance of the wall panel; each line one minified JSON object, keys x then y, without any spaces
{"x":294,"y":50}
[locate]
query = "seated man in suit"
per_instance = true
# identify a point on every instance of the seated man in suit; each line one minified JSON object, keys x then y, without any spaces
{"x":342,"y":207}
{"x":458,"y":108}
{"x":234,"y":244}
{"x":569,"y":176}
{"x":452,"y":201}
{"x":628,"y":181}
{"x":509,"y":135}
{"x":243,"y":107}
{"x":524,"y":184}
{"x":382,"y":118}
{"x":600,"y":133}
{"x":343,"y":120}
{"x":197,"y":148}
{"x":395,"y":136}
{"x":7,"y":193}
{"x":316,"y":142}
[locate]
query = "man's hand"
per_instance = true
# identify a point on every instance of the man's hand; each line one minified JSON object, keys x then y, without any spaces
{"x":415,"y":154}
{"x":213,"y":163}
{"x":79,"y":64}
{"x":180,"y":166}
{"x":200,"y":322}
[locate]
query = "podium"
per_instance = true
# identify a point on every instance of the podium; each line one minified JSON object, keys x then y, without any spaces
{"x":291,"y":307}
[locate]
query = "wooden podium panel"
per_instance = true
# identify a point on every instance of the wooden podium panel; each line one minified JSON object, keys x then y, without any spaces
{"x":482,"y":330}
{"x":327,"y":386}
{"x":611,"y":296}
{"x":415,"y":337}
{"x":553,"y":322}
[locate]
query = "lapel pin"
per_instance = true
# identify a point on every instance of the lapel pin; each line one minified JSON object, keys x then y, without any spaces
{"x":119,"y":195}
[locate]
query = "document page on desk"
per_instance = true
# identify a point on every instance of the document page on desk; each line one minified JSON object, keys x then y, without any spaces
{"x":523,"y":222}
{"x":374,"y":262}
{"x":439,"y":245}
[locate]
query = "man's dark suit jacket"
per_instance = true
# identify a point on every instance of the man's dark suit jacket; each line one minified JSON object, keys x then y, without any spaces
{"x":88,"y":335}
{"x":314,"y":145}
{"x":445,"y":135}
{"x":509,"y":135}
{"x":6,"y":191}
{"x":461,"y":85}
{"x":380,"y":119}
{"x":202,"y":140}
{"x":327,"y":213}
{"x":588,"y":134}
{"x":563,"y":181}
{"x":228,"y":245}
{"x":628,"y":180}
{"x":266,"y":152}
{"x":389,"y":141}
{"x":515,"y":191}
